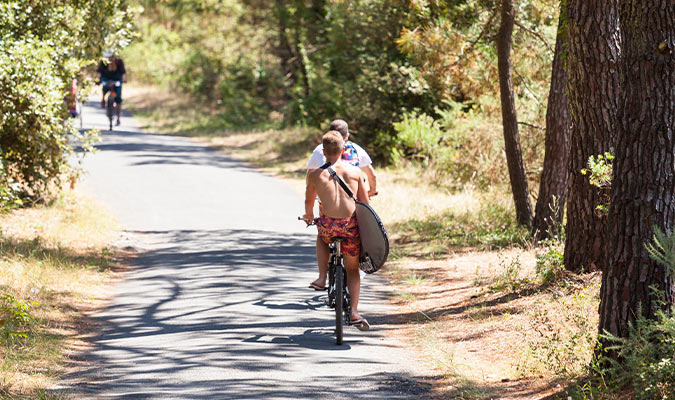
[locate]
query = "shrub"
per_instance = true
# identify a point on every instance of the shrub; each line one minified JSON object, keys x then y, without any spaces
{"x":15,"y":318}
{"x":33,"y":138}
{"x":461,"y":144}
{"x":561,"y":334}
{"x":419,"y":134}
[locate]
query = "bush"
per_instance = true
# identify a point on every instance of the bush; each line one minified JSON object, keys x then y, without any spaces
{"x":33,"y":138}
{"x":462,"y":144}
{"x":647,"y":358}
{"x":419,"y":135}
{"x":15,"y":318}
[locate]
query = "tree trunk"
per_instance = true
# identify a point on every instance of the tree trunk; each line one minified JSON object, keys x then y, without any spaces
{"x":643,"y":186}
{"x":553,"y":184}
{"x":593,"y":90}
{"x":514,"y":157}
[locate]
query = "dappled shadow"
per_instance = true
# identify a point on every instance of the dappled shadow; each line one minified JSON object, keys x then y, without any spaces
{"x":463,"y":306}
{"x":195,"y":290}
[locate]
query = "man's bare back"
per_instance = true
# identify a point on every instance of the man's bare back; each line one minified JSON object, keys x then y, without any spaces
{"x":334,"y":200}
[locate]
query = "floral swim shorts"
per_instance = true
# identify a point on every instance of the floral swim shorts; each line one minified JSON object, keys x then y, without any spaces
{"x":341,"y":227}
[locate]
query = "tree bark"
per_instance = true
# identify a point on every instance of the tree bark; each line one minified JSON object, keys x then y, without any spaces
{"x":643,"y":186}
{"x":593,"y":90}
{"x":514,"y":157}
{"x":548,"y":216}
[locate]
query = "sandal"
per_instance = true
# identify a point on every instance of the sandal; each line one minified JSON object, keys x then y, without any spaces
{"x":316,"y":286}
{"x":360,"y":324}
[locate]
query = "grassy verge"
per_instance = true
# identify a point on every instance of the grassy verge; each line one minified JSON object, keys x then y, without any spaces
{"x":55,"y":261}
{"x":493,"y":313}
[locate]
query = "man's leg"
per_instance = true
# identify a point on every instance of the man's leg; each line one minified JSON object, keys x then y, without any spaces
{"x":322,"y":253}
{"x":118,"y":111}
{"x":353,"y":282}
{"x":118,"y":100}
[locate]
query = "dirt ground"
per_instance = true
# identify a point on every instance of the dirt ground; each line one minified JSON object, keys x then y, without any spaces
{"x":471,"y":337}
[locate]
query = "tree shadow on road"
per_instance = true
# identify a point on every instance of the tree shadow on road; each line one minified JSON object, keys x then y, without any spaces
{"x":207,"y":313}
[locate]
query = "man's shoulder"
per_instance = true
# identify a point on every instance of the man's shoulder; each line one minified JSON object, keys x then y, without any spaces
{"x":315,"y":173}
{"x":348,"y":169}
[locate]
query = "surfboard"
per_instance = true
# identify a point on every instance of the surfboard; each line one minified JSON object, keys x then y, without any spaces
{"x":374,"y":238}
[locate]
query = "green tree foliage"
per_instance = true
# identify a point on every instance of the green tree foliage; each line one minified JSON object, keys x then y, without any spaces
{"x":373,"y":63}
{"x":310,"y":60}
{"x":43,"y":46}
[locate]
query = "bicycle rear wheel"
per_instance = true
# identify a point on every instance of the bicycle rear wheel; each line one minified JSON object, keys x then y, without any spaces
{"x":339,"y":300}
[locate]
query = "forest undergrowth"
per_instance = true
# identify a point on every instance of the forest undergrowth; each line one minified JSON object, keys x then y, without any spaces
{"x":494,"y":312}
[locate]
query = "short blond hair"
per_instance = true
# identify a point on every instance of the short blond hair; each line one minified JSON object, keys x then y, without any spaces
{"x":332,"y":143}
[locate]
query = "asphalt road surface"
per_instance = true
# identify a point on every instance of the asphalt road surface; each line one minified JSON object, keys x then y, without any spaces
{"x":216,"y":305}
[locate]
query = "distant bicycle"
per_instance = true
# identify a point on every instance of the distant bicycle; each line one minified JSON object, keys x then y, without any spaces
{"x":338,"y":293}
{"x":110,"y":100}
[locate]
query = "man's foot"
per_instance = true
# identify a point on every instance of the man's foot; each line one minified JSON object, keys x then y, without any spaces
{"x":102,"y":103}
{"x":316,"y":286}
{"x":118,"y":122}
{"x":359,"y":322}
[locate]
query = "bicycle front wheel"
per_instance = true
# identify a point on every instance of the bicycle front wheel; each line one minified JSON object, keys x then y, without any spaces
{"x":339,"y":300}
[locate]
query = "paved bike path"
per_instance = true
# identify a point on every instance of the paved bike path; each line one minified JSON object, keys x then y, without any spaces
{"x":216,"y":305}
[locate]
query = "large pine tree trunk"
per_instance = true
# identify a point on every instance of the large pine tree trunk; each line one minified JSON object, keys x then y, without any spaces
{"x":514,"y":157}
{"x":643,"y":186}
{"x":593,"y":91}
{"x":553,"y":183}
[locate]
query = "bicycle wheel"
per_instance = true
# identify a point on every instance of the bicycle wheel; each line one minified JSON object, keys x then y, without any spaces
{"x":346,"y":300}
{"x":330,"y":301}
{"x":339,"y":300}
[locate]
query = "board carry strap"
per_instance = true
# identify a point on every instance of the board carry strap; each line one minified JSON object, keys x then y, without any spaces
{"x":339,"y":180}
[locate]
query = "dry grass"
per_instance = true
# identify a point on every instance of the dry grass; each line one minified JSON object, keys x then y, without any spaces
{"x":489,"y":340}
{"x":57,"y":260}
{"x":463,"y":271}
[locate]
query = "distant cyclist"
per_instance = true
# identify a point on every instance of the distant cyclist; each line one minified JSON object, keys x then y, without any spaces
{"x":112,"y":70}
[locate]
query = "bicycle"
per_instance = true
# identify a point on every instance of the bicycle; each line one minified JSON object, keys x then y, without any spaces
{"x":110,"y":100}
{"x":337,"y":284}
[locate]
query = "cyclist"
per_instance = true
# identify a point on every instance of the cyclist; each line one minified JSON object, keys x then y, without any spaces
{"x":337,"y":216}
{"x":112,"y":70}
{"x":352,"y":154}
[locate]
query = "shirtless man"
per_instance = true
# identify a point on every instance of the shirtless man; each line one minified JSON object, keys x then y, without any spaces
{"x":337,"y":216}
{"x":352,"y":154}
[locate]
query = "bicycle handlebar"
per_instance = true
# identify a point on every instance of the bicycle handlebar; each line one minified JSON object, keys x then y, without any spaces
{"x":110,"y":83}
{"x":308,"y":223}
